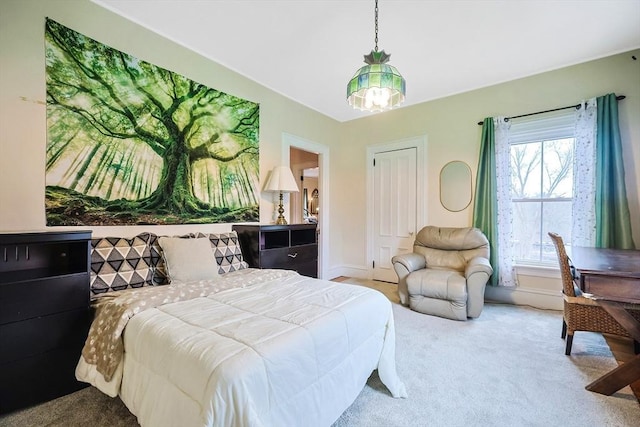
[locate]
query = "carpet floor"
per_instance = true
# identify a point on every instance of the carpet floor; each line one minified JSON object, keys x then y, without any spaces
{"x":506,"y":368}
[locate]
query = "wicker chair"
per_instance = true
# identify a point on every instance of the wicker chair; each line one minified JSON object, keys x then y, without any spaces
{"x":581,"y":313}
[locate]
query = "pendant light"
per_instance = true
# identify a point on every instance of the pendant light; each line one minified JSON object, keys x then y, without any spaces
{"x":377,"y":86}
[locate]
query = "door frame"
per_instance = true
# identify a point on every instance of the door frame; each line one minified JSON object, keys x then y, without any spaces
{"x":420,"y":144}
{"x":288,"y":141}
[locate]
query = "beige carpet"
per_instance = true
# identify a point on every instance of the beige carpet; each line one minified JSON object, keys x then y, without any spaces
{"x":506,"y":368}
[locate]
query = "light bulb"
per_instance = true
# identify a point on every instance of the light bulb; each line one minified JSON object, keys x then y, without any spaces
{"x":384,"y":95}
{"x":378,"y":97}
{"x":368,"y":99}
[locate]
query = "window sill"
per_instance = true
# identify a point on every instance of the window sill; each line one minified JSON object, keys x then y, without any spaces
{"x":537,"y":270}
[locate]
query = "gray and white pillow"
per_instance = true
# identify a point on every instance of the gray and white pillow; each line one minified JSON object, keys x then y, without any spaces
{"x":119,"y":263}
{"x":226,"y":249}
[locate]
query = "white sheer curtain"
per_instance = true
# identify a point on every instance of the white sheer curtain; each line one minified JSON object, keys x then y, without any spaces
{"x":506,"y":274}
{"x":583,"y":228}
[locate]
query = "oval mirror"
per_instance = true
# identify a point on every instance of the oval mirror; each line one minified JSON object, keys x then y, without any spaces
{"x":455,"y":186}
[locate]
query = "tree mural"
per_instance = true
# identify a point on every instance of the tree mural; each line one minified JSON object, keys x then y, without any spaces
{"x":132,"y":143}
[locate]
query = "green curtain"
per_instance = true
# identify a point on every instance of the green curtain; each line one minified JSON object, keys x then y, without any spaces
{"x":613,"y":222}
{"x":485,"y":208}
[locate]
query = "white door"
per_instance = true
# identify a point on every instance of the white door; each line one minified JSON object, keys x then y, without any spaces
{"x":395,"y":201}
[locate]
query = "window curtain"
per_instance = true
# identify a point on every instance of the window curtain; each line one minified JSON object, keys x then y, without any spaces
{"x":583,"y":226}
{"x":506,"y":276}
{"x":600,"y":208}
{"x":485,"y":201}
{"x":491,"y":214}
{"x":613,"y":222}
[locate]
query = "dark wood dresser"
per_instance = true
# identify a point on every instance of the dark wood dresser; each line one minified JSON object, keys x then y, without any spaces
{"x":289,"y":247}
{"x":44,"y":314}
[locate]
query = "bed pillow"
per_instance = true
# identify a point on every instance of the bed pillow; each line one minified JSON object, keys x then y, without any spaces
{"x":188,"y":260}
{"x":160,"y":275}
{"x":226,"y":249}
{"x":118,"y":263}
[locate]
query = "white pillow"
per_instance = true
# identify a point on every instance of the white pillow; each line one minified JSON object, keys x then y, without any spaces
{"x":188,"y":260}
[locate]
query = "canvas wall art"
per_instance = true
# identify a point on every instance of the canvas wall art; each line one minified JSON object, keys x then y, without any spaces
{"x":132,"y":143}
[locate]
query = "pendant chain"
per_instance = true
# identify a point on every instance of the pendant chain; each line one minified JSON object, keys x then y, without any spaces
{"x":376,"y":10}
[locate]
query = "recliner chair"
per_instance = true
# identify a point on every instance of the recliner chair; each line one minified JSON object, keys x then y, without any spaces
{"x":446,"y":273}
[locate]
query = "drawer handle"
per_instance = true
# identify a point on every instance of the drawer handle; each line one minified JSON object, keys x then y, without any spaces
{"x":292,"y":255}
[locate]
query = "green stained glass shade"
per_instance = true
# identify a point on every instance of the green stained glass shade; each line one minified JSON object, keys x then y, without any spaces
{"x":377,"y":78}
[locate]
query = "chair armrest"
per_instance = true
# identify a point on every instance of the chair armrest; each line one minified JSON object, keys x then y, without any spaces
{"x":477,"y":273}
{"x":403,"y":265}
{"x":410,"y":262}
{"x":478,"y":265}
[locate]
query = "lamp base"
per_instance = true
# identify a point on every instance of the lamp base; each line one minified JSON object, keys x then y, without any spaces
{"x":281,"y":220}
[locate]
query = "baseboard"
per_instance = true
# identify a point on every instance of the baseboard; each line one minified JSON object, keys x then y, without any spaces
{"x":355,"y":271}
{"x":538,"y":298}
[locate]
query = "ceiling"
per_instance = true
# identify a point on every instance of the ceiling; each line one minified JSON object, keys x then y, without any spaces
{"x":307,"y":50}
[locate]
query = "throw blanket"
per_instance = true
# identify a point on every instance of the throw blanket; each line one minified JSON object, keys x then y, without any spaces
{"x":104,"y":347}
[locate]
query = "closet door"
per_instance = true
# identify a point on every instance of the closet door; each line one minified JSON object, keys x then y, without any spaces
{"x":395,"y":202}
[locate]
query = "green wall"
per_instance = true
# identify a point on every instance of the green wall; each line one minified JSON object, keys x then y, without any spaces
{"x":449,"y":124}
{"x":452,"y":132}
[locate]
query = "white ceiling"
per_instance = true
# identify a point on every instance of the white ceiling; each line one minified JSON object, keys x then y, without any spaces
{"x":307,"y":50}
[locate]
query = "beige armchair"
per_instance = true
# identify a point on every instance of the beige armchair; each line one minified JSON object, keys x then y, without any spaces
{"x":446,"y":273}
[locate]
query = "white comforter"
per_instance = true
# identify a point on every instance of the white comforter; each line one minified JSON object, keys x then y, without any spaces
{"x":288,"y":352}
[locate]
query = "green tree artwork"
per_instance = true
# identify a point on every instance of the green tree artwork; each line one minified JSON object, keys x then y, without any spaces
{"x":132,"y":143}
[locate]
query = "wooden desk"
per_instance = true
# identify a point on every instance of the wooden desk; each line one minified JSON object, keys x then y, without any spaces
{"x":613,"y":277}
{"x":613,"y":274}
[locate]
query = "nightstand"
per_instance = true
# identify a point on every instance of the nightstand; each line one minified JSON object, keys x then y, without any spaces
{"x":289,"y":247}
{"x":44,"y":315}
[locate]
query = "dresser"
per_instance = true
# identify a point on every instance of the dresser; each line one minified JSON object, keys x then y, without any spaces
{"x":290,"y":247}
{"x":44,"y":314}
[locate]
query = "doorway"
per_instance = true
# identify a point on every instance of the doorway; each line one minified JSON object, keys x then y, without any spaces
{"x":315,"y":156}
{"x":395,"y":209}
{"x":305,"y":205}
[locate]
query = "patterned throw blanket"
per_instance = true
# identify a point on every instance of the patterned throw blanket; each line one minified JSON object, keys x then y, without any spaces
{"x":104,"y":347}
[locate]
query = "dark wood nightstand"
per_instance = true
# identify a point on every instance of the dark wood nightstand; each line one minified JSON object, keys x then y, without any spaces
{"x":289,"y":247}
{"x":44,"y":315}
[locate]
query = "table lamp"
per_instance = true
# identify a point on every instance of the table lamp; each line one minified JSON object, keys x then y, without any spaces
{"x":281,"y":181}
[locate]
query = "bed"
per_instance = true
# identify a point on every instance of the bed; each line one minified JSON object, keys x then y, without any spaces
{"x":244,"y":348}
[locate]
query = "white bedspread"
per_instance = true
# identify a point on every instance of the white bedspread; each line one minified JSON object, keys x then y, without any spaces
{"x":288,"y":352}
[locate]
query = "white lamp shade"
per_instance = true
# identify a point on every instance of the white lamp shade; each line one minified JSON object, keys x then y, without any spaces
{"x":281,"y":180}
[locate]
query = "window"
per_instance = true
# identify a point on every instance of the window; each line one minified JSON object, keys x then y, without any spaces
{"x":541,"y":163}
